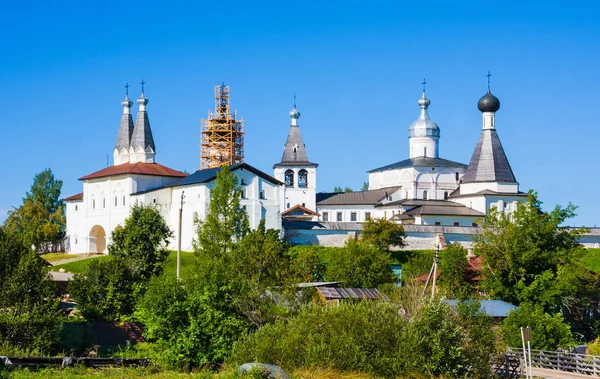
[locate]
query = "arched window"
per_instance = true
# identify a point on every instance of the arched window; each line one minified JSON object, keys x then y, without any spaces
{"x":116,"y":201}
{"x":424,"y":195}
{"x":302,"y":178}
{"x":289,"y":178}
{"x":93,"y":203}
{"x":456,"y":176}
{"x":123,"y":200}
{"x":103,"y":203}
{"x":288,"y":205}
{"x":446,"y":195}
{"x":75,"y":207}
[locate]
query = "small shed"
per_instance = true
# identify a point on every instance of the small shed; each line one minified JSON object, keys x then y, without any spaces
{"x":336,"y":294}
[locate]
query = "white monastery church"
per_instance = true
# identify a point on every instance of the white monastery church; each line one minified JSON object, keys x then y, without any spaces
{"x":433,"y":197}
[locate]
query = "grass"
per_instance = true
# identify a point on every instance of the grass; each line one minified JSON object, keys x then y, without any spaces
{"x":187,"y":262}
{"x":55,"y":257}
{"x":591,"y":260}
{"x":157,"y":373}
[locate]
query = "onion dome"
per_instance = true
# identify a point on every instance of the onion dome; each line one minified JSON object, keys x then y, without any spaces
{"x":488,"y":102}
{"x":294,"y":113}
{"x":424,"y":126}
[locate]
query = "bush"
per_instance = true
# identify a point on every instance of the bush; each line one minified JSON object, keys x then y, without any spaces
{"x":359,"y":265}
{"x":374,"y":338}
{"x":549,"y":332}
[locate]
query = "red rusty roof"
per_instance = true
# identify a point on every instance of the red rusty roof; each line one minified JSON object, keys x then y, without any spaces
{"x":79,"y":196}
{"x":139,"y":168}
{"x":300,"y":207}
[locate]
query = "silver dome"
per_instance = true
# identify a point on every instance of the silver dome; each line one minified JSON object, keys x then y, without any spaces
{"x":294,"y":113}
{"x":424,"y":126}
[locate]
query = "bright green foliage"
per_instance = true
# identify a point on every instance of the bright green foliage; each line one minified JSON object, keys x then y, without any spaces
{"x":593,"y":348}
{"x":230,"y":292}
{"x":142,"y":241}
{"x":106,"y":291}
{"x":454,"y":275}
{"x":549,"y":332}
{"x":365,"y":186}
{"x":29,"y":315}
{"x":40,"y":219}
{"x":417,"y":263}
{"x":530,"y":257}
{"x":109,"y":288}
{"x":382,"y":234}
{"x":226,"y":221}
{"x":307,"y":264}
{"x":338,"y":189}
{"x":373,"y":337}
{"x":359,"y":265}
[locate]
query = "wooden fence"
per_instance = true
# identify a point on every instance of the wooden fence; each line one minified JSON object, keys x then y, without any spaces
{"x":562,"y":361}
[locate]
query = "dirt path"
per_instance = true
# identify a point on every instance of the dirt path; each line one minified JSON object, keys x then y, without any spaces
{"x":74,"y":259}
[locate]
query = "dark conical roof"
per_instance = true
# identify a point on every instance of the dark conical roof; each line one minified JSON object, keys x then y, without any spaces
{"x":126,"y":127}
{"x":489,"y":162}
{"x":294,"y":152}
{"x":142,"y":134}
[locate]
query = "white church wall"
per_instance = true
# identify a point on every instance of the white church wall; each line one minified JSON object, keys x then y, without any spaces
{"x":329,"y":213}
{"x":447,"y":220}
{"x":295,"y":194}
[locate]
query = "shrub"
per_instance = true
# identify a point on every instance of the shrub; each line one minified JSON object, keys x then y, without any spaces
{"x":549,"y":332}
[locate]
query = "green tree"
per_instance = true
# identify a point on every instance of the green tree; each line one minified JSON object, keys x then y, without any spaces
{"x":549,"y":332}
{"x":40,"y":219}
{"x":359,"y":265}
{"x":46,"y":191}
{"x":29,"y":315}
{"x":109,"y":289}
{"x":530,"y":257}
{"x":238,"y":275}
{"x":382,"y":234}
{"x":142,"y":241}
{"x":338,"y":189}
{"x":454,"y":274}
{"x":365,"y":186}
{"x":226,"y":221}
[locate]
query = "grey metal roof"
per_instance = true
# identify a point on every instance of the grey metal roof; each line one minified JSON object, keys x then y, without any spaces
{"x":126,"y":127}
{"x":205,"y":176}
{"x":294,"y":151}
{"x":421,"y":162}
{"x":418,"y":202}
{"x":142,"y":134}
{"x":489,"y":162}
{"x":456,"y":193}
{"x":371,"y":197}
{"x":492,"y":308}
{"x":441,"y":210}
{"x":332,"y":293}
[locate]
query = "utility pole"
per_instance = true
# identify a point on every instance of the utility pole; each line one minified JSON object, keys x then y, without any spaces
{"x":435,"y":262}
{"x":179,"y":238}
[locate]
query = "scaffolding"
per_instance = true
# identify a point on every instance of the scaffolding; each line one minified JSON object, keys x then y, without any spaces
{"x":221,"y":134}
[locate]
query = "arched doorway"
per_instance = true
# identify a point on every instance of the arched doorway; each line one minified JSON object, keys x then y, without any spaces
{"x":97,"y":240}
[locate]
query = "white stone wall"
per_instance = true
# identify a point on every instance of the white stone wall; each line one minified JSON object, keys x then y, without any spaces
{"x":416,"y":180}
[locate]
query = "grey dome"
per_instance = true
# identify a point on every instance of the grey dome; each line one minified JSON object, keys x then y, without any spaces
{"x":424,"y":126}
{"x":294,"y":113}
{"x":488,"y":103}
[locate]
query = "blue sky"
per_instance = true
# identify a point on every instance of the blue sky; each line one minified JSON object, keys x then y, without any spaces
{"x":356,"y":67}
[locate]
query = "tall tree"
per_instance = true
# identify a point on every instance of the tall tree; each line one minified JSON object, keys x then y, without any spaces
{"x":529,"y":256}
{"x":454,"y":272}
{"x":365,"y":186}
{"x":46,"y":190}
{"x":226,"y":222}
{"x":142,"y":241}
{"x":41,"y":217}
{"x":382,"y":234}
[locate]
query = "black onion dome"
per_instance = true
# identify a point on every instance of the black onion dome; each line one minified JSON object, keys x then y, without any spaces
{"x":488,"y":103}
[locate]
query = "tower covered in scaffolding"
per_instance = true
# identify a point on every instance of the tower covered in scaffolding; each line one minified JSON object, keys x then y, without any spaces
{"x":221,"y":134}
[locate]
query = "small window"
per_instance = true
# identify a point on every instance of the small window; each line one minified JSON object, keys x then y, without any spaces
{"x":243,"y":182}
{"x":94,"y":204}
{"x":406,"y":194}
{"x":339,"y":216}
{"x":352,"y":216}
{"x":103,"y":203}
{"x":437,"y":223}
{"x":367,"y":216}
{"x":75,"y":207}
{"x":390,"y":198}
{"x":123,"y":200}
{"x":243,"y":196}
{"x":424,"y":195}
{"x":154,"y":201}
{"x":325,"y":216}
{"x":457,"y":224}
{"x":474,"y":224}
{"x":288,"y":205}
{"x":304,"y":204}
{"x":456,"y":176}
{"x":116,"y":201}
{"x":75,"y":241}
{"x":446,"y":195}
{"x":262,"y":194}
